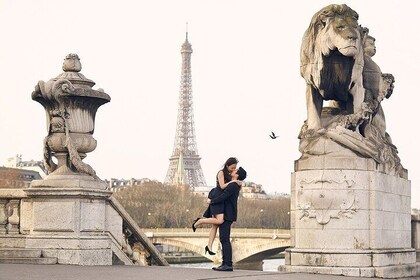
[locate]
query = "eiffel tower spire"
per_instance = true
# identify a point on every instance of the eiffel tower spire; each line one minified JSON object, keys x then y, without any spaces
{"x":184,"y":164}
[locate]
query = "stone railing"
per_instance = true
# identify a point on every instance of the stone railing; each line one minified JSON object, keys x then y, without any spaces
{"x":10,"y":211}
{"x":128,"y":242}
{"x":135,"y":243}
{"x":9,"y":216}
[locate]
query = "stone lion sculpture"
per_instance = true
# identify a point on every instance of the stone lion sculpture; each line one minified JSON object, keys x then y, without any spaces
{"x":332,"y":64}
{"x":336,"y":63}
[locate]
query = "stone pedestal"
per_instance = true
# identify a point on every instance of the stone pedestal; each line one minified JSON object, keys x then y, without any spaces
{"x":68,"y":217}
{"x":415,"y":234}
{"x":349,"y":218}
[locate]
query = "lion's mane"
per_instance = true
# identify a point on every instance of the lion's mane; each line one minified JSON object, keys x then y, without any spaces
{"x":322,"y":65}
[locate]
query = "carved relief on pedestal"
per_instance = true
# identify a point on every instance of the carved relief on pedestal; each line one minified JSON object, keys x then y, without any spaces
{"x":324,"y":200}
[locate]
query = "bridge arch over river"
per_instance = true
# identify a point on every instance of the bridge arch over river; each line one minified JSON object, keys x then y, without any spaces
{"x":249,"y":246}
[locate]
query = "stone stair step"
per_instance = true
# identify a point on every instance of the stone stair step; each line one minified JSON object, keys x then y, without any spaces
{"x":20,"y":253}
{"x":28,"y":260}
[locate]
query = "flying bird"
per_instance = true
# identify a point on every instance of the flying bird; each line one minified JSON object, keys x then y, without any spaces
{"x":273,"y":135}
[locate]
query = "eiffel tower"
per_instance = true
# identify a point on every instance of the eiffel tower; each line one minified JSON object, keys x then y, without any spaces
{"x":184,"y":164}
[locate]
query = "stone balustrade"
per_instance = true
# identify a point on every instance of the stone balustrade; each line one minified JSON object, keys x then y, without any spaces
{"x":10,"y":201}
{"x":126,"y":240}
{"x":9,"y":216}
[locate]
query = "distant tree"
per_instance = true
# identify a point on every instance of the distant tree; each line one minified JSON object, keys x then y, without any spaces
{"x":263,"y":213}
{"x":155,"y":205}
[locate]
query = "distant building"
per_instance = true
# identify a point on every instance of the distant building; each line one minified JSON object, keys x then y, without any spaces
{"x":19,"y":174}
{"x":250,"y":190}
{"x":119,"y":184}
{"x":255,"y":195}
{"x":253,"y":191}
{"x":17,"y":178}
{"x":37,"y":166}
{"x":277,"y":195}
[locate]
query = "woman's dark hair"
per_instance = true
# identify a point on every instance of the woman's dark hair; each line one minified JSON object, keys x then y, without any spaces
{"x":229,"y":162}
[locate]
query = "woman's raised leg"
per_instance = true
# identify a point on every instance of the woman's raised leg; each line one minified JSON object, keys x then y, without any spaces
{"x":216,"y":220}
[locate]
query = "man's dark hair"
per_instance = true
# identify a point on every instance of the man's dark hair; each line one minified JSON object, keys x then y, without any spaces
{"x":241,"y":174}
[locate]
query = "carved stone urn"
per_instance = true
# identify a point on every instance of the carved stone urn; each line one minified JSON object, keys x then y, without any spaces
{"x":70,"y":104}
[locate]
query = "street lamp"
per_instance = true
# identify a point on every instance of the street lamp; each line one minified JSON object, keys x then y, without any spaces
{"x":149,"y":216}
{"x":261,"y":218}
{"x":185,"y":221}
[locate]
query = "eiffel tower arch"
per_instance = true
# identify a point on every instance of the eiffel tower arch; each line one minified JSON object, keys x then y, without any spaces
{"x":184,"y":164}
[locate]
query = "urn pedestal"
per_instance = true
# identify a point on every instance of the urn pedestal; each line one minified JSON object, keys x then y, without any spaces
{"x":349,"y":218}
{"x":72,"y":224}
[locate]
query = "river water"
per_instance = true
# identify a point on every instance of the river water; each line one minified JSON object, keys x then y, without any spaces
{"x":268,"y":265}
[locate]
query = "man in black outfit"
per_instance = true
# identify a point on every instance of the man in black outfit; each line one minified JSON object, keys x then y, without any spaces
{"x":230,"y":198}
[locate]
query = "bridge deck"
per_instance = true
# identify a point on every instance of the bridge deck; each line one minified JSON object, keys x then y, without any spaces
{"x":68,"y":272}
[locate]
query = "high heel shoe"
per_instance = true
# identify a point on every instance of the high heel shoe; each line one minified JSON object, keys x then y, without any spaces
{"x":207,"y":250}
{"x":193,"y":224}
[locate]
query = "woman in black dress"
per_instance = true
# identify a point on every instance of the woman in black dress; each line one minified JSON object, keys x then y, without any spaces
{"x":214,"y":213}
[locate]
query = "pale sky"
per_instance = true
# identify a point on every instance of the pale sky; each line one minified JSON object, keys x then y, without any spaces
{"x":245,"y":77}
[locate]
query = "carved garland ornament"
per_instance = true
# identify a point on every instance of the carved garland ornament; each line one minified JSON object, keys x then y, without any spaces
{"x":332,"y":200}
